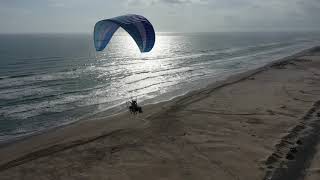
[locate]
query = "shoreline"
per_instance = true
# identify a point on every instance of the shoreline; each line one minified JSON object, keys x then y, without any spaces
{"x":214,"y":84}
{"x":67,"y":137}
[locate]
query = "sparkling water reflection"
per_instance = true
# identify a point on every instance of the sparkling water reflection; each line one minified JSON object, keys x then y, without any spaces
{"x":52,"y":80}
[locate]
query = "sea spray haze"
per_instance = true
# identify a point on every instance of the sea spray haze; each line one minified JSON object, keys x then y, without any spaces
{"x":49,"y":80}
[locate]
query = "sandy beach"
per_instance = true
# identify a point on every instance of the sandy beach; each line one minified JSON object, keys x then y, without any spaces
{"x":255,"y":125}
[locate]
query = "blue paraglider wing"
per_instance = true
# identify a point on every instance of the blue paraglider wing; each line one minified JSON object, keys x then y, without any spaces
{"x":139,"y":28}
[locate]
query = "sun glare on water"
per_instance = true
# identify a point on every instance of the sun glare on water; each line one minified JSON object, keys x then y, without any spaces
{"x":141,"y":72}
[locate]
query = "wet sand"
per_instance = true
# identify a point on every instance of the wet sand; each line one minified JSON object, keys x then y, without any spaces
{"x":251,"y":126}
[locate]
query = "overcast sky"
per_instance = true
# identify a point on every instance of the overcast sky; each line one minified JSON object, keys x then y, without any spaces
{"x":29,"y":16}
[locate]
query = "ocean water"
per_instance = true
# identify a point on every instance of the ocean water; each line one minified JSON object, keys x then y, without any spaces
{"x":50,"y":80}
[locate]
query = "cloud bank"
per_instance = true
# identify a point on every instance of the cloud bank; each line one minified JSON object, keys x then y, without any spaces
{"x":166,"y":15}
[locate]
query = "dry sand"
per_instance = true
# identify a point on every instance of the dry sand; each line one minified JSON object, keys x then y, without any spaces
{"x":246,"y":127}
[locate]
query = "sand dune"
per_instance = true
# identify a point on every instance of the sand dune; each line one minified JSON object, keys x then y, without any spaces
{"x":246,"y":127}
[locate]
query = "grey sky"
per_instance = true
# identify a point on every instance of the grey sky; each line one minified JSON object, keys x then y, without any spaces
{"x":22,"y":16}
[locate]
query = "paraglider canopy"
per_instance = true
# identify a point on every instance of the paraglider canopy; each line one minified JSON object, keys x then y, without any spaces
{"x":139,"y":28}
